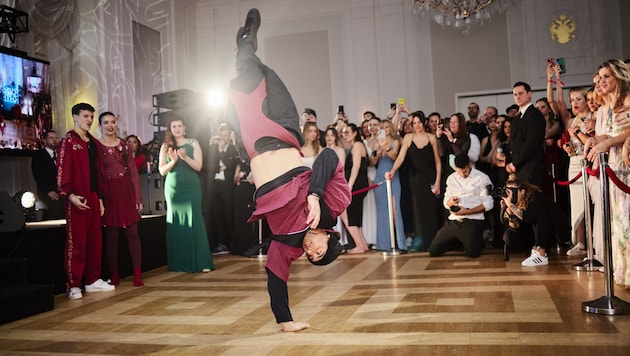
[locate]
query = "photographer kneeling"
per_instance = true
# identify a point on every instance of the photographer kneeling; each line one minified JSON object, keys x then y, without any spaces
{"x":526,"y":210}
{"x":467,"y":197}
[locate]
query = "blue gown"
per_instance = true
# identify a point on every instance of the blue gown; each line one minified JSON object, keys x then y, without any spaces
{"x":383,"y":236}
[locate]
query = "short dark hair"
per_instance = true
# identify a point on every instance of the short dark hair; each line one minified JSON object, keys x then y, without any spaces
{"x":511,"y":107}
{"x":49,"y":132}
{"x":372,"y":114}
{"x":462,"y":160}
{"x":524,"y":85}
{"x":419,"y":114}
{"x":334,"y":250}
{"x":310,"y":112}
{"x":76,"y":109}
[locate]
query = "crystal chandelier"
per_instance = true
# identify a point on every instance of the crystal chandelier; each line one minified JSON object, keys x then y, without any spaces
{"x":461,"y":14}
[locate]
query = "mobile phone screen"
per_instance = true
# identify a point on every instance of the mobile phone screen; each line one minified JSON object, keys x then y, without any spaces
{"x":563,"y":67}
{"x":381,"y":134}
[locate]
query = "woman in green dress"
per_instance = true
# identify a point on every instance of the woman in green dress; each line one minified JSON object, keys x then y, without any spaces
{"x":187,"y":247}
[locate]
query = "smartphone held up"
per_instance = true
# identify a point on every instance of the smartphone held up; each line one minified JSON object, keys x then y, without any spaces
{"x":560,"y":62}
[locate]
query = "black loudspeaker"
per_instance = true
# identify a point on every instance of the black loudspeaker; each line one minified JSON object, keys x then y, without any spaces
{"x":152,"y":187}
{"x":11,"y":217}
{"x":176,"y":99}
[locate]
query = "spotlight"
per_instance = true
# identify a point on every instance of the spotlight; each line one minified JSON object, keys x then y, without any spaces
{"x":26,"y":202}
{"x":216,"y":98}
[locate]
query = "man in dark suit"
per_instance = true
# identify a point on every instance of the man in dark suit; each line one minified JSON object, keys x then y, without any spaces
{"x":224,"y":158}
{"x":527,"y":138}
{"x":44,"y":168}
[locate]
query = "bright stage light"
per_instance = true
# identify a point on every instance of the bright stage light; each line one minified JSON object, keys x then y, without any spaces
{"x":25,"y":200}
{"x":216,"y":98}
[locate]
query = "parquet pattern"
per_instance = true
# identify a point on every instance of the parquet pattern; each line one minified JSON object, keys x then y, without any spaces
{"x":360,"y":305}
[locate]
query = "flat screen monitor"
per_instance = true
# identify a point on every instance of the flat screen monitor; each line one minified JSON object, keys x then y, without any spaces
{"x":25,"y":101}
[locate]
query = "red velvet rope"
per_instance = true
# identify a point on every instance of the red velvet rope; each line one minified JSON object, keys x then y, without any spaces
{"x":362,"y":190}
{"x":594,"y":173}
{"x":565,"y":183}
{"x":616,"y":180}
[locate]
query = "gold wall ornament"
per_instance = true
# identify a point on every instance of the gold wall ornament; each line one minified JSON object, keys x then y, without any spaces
{"x":563,"y":29}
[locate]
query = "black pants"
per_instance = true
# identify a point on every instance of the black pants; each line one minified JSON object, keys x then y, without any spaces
{"x":279,"y":105}
{"x":222,"y":213}
{"x":455,"y":234}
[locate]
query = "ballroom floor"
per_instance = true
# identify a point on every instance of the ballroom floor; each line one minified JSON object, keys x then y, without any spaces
{"x":360,"y":305}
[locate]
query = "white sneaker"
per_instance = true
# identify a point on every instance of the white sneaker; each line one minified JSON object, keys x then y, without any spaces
{"x":99,"y":286}
{"x":75,"y":293}
{"x":577,"y":250}
{"x":536,"y":259}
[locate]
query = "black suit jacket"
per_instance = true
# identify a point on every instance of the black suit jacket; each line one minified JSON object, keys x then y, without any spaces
{"x":527,"y":144}
{"x":230,"y":158}
{"x":44,"y":171}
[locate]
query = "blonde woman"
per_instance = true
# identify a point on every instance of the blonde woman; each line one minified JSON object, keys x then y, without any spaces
{"x":615,"y":82}
{"x":311,"y":148}
{"x":386,"y":154}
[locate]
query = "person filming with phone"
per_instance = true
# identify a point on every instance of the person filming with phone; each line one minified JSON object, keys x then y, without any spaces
{"x":526,"y":209}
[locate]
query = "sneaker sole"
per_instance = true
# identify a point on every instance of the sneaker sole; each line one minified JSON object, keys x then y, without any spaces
{"x":99,"y":290}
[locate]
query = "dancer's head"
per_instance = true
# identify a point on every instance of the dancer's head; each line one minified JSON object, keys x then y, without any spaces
{"x":321,"y":246}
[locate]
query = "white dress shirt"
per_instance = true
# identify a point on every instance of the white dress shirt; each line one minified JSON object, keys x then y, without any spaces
{"x":471,"y":191}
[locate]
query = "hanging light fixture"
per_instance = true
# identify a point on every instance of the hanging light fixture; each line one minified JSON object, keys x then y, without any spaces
{"x":461,"y":14}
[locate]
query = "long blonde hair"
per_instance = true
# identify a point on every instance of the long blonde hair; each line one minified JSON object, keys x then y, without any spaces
{"x":315,"y":144}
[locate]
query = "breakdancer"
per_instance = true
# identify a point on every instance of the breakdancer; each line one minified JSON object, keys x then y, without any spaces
{"x":300,"y":204}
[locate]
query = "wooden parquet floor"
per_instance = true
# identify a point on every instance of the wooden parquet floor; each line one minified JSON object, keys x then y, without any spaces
{"x":360,"y":305}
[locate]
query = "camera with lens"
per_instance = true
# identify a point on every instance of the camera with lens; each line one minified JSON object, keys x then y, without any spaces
{"x":455,"y":208}
{"x":501,"y":192}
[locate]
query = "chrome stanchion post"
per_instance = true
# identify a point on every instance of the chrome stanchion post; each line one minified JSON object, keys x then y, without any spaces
{"x":150,"y":202}
{"x":260,"y":254}
{"x":553,"y":183}
{"x":608,"y":304}
{"x":392,"y":235}
{"x":589,"y":264}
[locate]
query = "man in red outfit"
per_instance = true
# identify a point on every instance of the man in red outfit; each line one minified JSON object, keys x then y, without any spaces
{"x":77,"y":180}
{"x":300,"y":204}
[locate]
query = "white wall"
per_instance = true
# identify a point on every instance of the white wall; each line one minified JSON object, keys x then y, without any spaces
{"x":378,"y":51}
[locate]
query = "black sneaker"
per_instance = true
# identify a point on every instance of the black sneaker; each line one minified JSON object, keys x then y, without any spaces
{"x":220,"y":250}
{"x":252,"y":24}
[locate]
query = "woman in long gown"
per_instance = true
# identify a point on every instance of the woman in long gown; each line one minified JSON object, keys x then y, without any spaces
{"x":369,"y":203}
{"x":124,"y":202}
{"x":187,"y":247}
{"x":385,"y":155}
{"x":424,"y":178}
{"x":356,"y":175}
{"x":615,"y":82}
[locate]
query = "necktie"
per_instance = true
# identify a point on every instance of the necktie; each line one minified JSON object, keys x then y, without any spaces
{"x":54,"y":157}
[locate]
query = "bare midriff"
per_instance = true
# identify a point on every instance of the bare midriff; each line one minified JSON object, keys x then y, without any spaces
{"x":269,"y":165}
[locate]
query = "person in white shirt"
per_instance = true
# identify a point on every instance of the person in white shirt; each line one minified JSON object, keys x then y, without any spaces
{"x":468,"y":197}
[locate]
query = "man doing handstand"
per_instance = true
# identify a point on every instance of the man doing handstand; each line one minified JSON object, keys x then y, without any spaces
{"x":300,"y":204}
